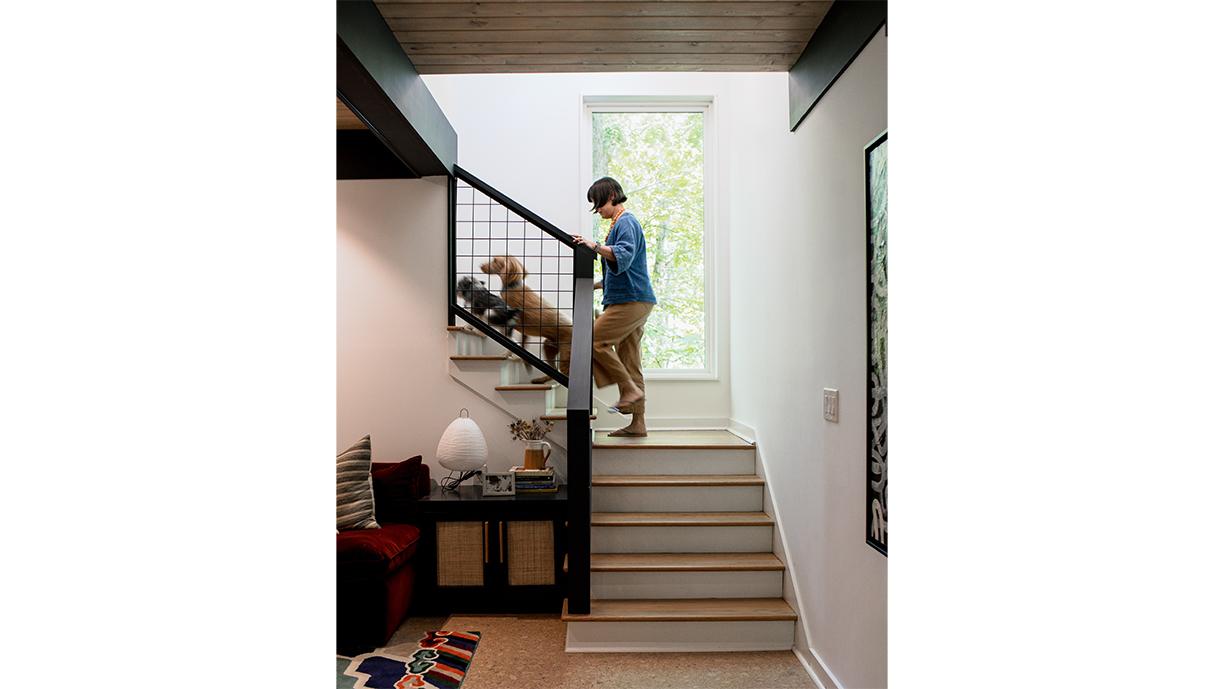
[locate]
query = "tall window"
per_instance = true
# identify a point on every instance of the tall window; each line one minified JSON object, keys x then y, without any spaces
{"x":658,"y":154}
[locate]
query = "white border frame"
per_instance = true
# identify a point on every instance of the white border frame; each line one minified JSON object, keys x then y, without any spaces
{"x":484,"y":483}
{"x":704,"y":105}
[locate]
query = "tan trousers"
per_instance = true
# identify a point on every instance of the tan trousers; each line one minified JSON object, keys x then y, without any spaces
{"x":617,"y":344}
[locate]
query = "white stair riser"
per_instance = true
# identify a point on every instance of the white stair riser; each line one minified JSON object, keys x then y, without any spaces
{"x":615,"y":462}
{"x":681,"y":539}
{"x":489,"y":346}
{"x":677,"y":499}
{"x":669,"y":637}
{"x":473,"y":345}
{"x":528,"y":397}
{"x":515,"y":373}
{"x":497,"y":372}
{"x":668,"y":585}
{"x":484,"y":377}
{"x":466,"y":344}
{"x":510,"y":371}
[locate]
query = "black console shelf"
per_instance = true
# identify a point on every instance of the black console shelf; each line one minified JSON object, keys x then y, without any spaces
{"x":489,"y":545}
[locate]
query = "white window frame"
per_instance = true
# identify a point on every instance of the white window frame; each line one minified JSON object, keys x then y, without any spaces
{"x":704,"y":105}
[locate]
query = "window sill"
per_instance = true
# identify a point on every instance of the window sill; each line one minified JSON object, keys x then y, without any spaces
{"x":661,"y":374}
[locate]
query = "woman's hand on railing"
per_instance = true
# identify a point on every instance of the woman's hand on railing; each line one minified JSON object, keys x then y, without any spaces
{"x":598,"y":285}
{"x":601,"y":250}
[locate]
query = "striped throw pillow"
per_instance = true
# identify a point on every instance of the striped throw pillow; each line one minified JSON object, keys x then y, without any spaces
{"x":354,"y":489}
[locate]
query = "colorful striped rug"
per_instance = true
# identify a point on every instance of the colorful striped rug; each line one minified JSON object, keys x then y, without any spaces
{"x":440,"y":662}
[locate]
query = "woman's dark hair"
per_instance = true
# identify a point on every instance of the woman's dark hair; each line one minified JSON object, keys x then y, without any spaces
{"x":603,"y":190}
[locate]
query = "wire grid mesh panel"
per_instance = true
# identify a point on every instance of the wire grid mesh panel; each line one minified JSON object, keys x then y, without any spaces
{"x":514,"y":275}
{"x":530,"y":553}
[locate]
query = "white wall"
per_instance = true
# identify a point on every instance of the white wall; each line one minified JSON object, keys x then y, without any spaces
{"x":522,"y":133}
{"x":392,"y":375}
{"x":805,"y":267}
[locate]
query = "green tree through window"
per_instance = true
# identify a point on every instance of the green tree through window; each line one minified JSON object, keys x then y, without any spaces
{"x":659,"y":159}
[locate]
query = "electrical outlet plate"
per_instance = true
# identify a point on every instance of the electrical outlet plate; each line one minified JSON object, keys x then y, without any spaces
{"x":830,"y":404}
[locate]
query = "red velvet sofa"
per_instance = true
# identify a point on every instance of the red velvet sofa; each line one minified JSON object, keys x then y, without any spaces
{"x":374,"y":574}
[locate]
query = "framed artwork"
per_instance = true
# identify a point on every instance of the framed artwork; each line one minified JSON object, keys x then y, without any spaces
{"x":876,"y":164}
{"x":497,"y":483}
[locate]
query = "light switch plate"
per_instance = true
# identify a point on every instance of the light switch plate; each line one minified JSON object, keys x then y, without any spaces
{"x":830,"y":404}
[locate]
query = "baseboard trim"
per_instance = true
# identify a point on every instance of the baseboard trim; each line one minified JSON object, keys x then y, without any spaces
{"x":807,"y":667}
{"x":742,"y":430}
{"x":819,"y":673}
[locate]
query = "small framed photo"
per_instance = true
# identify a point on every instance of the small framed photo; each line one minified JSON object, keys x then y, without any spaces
{"x":497,"y":483}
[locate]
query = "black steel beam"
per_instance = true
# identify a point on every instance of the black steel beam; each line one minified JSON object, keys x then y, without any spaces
{"x":450,"y":248}
{"x":361,"y":155}
{"x":378,"y":82}
{"x":842,"y":35}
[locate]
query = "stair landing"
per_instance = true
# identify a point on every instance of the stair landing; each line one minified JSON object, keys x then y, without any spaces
{"x":712,"y":439}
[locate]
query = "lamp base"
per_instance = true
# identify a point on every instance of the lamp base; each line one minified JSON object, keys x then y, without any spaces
{"x":451,"y":483}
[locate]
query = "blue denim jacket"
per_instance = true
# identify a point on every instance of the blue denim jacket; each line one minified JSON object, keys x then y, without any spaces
{"x":629,"y":280}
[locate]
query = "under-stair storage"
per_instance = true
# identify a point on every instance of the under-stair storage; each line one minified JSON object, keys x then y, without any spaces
{"x":491,"y":554}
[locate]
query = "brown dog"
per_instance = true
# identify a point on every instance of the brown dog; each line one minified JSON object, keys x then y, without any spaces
{"x":536,"y":316}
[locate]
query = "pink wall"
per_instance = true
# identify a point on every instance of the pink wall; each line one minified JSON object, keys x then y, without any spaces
{"x":392,"y":376}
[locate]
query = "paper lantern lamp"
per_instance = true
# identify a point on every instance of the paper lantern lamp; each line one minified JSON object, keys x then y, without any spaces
{"x":463,"y":447}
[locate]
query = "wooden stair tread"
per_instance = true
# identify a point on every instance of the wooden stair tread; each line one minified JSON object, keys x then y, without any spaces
{"x":682,"y":562}
{"x":560,"y":415}
{"x":684,"y":610}
{"x":658,"y":480}
{"x":680,"y":519}
{"x":525,"y":387}
{"x":676,"y":440}
{"x":478,"y":357}
{"x":464,"y":329}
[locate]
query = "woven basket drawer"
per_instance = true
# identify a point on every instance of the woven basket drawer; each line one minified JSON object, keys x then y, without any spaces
{"x":460,"y":553}
{"x":530,"y":558}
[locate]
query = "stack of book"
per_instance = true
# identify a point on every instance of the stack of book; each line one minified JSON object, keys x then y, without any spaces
{"x":534,"y":480}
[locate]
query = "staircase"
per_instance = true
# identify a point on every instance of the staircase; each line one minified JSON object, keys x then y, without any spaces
{"x":681,"y":549}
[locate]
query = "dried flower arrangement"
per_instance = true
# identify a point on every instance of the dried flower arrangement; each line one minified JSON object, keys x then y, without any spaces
{"x":530,"y":430}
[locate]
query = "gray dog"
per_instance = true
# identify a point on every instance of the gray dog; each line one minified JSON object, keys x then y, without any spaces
{"x":486,"y":305}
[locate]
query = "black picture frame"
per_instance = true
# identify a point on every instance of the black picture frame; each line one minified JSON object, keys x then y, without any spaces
{"x":875,"y":167}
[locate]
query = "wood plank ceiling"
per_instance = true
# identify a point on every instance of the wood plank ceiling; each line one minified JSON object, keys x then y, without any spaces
{"x":345,"y":119}
{"x":461,"y":37}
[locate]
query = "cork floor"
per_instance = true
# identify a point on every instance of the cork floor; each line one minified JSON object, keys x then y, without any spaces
{"x":528,"y":652}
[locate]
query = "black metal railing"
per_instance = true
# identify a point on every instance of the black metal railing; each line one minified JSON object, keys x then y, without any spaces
{"x":524,"y":283}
